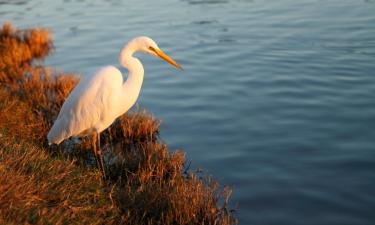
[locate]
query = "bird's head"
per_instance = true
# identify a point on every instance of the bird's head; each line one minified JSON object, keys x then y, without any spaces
{"x":148,"y":46}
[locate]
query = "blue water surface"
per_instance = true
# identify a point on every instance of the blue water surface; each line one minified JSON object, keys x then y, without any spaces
{"x":277,"y":98}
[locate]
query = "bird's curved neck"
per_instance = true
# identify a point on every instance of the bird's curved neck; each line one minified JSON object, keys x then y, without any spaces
{"x":132,"y":86}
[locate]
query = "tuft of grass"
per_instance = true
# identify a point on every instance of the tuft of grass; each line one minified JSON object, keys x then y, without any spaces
{"x":39,"y":188}
{"x":149,"y":184}
{"x":19,"y":48}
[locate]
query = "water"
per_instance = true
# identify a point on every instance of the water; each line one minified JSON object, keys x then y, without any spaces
{"x":276,"y":99}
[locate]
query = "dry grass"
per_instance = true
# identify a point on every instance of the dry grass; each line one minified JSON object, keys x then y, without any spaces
{"x":46,"y":185}
{"x":19,"y":48}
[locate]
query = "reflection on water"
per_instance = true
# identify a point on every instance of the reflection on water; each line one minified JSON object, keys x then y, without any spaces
{"x":276,"y":98}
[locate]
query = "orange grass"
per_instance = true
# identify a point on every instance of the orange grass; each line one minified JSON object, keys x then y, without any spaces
{"x":46,"y":185}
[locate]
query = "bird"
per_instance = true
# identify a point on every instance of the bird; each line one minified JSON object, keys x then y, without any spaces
{"x":98,"y":99}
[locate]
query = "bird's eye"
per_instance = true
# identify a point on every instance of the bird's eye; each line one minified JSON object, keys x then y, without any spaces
{"x":152,"y":49}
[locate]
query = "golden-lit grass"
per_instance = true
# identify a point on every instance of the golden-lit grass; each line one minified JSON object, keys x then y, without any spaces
{"x":46,"y":185}
{"x":19,"y":48}
{"x":38,"y":188}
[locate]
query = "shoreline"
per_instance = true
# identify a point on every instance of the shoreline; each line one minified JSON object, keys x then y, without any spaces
{"x":148,"y":184}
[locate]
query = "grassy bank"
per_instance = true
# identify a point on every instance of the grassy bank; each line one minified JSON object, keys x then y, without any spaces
{"x":58,"y":185}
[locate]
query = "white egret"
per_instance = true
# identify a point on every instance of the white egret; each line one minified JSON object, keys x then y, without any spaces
{"x":99,"y":99}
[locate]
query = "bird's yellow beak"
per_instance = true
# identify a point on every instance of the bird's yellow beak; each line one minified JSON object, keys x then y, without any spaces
{"x":164,"y":56}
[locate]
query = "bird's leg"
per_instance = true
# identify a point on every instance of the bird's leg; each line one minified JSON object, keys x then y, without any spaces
{"x":100,"y":156}
{"x":98,"y":152}
{"x":94,"y":139}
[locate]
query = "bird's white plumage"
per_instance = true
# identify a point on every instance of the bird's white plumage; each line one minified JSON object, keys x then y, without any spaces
{"x":99,"y":99}
{"x":91,"y":106}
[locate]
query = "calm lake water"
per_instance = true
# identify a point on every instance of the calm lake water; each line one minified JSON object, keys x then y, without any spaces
{"x":277,"y":98}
